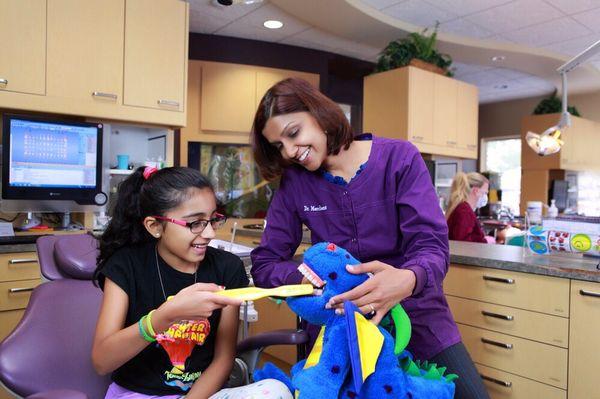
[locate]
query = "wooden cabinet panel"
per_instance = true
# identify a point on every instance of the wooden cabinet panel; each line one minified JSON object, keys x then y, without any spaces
{"x":520,"y":290}
{"x":15,"y":294}
{"x":228,"y":100}
{"x":584,"y":346}
{"x":540,"y":362}
{"x":503,"y":385}
{"x":421,"y":119}
{"x":19,"y":266}
{"x":444,"y":111}
{"x":552,"y":330}
{"x":85,"y":51}
{"x":156,"y":54}
{"x":275,"y":316}
{"x":8,"y":321}
{"x":467,"y":117}
{"x":23,"y":44}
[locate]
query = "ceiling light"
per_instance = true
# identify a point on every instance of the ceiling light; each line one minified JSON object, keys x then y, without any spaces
{"x":547,"y":143}
{"x":498,"y":58}
{"x":273,"y":24}
{"x":501,"y":87}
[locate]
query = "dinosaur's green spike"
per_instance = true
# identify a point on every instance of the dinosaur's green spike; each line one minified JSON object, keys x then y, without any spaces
{"x":432,"y":374}
{"x":442,"y":370}
{"x":451,"y":377}
{"x":403,"y":328}
{"x":432,"y":365}
{"x":413,"y":370}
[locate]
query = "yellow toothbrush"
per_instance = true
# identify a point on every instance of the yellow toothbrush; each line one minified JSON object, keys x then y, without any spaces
{"x":254,"y":293}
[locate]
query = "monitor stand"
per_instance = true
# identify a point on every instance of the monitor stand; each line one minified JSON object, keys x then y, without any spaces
{"x":31,"y":221}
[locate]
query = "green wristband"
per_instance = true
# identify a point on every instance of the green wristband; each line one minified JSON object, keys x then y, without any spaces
{"x":143,"y":332}
{"x":151,"y":331}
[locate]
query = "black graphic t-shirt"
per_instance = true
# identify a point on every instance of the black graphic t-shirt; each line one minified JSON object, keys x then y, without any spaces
{"x":186,"y":348}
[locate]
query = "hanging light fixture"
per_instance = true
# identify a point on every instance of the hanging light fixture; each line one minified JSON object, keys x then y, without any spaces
{"x":549,"y":142}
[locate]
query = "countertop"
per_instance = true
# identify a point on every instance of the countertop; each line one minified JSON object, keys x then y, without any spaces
{"x":507,"y":257}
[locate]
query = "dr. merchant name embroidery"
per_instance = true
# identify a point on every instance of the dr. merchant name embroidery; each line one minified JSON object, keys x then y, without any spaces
{"x":315,"y":208}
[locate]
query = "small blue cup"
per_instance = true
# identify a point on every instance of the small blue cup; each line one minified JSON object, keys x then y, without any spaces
{"x":123,"y":161}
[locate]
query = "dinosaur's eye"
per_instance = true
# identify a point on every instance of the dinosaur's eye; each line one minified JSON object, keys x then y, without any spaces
{"x":333,"y":275}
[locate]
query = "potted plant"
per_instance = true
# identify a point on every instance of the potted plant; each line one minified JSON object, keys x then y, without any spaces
{"x":417,"y":49}
{"x":553,"y":105}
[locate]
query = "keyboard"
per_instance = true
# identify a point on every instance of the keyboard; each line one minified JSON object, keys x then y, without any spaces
{"x":21,"y":239}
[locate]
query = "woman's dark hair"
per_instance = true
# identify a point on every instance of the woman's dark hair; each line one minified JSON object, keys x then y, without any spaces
{"x":296,"y":95}
{"x":139,"y":197}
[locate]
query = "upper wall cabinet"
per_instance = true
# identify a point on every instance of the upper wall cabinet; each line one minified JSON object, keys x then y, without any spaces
{"x":231,"y":93}
{"x":156,"y":54}
{"x":106,"y":59}
{"x":436,"y":113}
{"x":579,"y":151}
{"x":23,"y":46}
{"x":85,"y":52}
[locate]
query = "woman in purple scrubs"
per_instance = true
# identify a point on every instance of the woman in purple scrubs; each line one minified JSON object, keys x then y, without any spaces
{"x":370,"y":195}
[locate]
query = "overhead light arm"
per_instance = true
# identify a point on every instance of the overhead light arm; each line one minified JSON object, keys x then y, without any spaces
{"x":549,"y":141}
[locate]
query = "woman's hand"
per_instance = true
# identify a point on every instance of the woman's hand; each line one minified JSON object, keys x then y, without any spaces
{"x":197,"y":301}
{"x":380,"y":293}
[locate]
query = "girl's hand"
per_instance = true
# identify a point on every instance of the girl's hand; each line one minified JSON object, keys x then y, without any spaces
{"x":386,"y":288}
{"x":195,"y":302}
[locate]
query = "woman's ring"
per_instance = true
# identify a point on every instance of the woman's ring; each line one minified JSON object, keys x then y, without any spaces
{"x":372,"y":313}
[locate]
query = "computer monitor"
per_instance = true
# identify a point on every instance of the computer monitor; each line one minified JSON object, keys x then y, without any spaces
{"x":559,"y":192}
{"x":46,"y":159}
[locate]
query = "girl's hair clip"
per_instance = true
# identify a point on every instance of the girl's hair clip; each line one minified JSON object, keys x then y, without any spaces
{"x":149,"y":171}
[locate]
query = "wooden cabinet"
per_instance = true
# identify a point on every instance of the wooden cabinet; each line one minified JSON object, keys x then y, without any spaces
{"x":114,"y":59}
{"x":156,"y":54}
{"x":584,"y":345}
{"x":438,"y":114}
{"x":85,"y":52}
{"x":23,"y":44}
{"x":515,"y":327}
{"x":19,"y":275}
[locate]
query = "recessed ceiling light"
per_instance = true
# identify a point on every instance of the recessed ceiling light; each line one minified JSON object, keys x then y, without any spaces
{"x":273,"y":24}
{"x":498,"y":58}
{"x":501,"y":87}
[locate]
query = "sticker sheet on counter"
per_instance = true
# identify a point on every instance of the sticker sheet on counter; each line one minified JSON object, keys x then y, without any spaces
{"x":542,"y":241}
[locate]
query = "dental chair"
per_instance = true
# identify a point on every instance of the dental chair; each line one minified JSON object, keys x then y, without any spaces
{"x":48,"y":355}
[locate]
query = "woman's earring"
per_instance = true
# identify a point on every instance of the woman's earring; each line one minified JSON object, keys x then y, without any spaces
{"x":157,"y":235}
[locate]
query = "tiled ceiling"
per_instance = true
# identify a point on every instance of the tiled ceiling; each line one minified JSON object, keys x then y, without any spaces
{"x":565,"y":27}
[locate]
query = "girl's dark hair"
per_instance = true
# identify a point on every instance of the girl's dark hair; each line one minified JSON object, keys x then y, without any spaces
{"x":139,"y":197}
{"x":296,"y":95}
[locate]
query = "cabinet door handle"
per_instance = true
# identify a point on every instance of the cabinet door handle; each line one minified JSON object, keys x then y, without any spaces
{"x":499,"y":279}
{"x":168,"y":102}
{"x":496,"y":343}
{"x":451,"y":142}
{"x":471,"y":146}
{"x":589,"y":293}
{"x":15,"y":290}
{"x":3,"y":81}
{"x":18,"y":261}
{"x":105,"y":95}
{"x":497,"y":315}
{"x":506,"y":384}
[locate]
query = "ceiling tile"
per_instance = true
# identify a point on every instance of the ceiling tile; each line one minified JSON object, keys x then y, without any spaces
{"x":591,"y":19}
{"x":483,"y":78}
{"x":511,"y":74}
{"x":575,"y":46}
{"x":207,"y":7}
{"x":419,"y":13}
{"x":204,"y":23}
{"x":515,"y":15}
{"x":548,"y":32}
{"x":465,"y":7}
{"x":574,"y":6}
{"x":380,"y":4}
{"x":461,"y":69}
{"x":463,"y":27}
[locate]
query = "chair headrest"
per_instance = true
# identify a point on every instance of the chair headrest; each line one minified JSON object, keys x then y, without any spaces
{"x":67,"y":256}
{"x":76,"y":255}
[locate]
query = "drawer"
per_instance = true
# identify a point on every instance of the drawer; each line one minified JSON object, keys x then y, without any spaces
{"x":19,"y":266}
{"x":540,"y":327}
{"x":529,"y":359}
{"x":8,"y":321}
{"x":15,"y":294}
{"x":519,"y":290}
{"x":503,"y":385}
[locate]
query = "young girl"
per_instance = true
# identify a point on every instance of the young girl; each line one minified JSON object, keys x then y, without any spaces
{"x":163,"y":331}
{"x":371,"y":195}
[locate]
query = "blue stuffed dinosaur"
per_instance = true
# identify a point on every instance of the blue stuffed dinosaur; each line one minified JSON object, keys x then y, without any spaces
{"x":353,"y":358}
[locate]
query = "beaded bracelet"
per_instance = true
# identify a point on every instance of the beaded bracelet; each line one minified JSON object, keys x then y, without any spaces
{"x":143,"y":332}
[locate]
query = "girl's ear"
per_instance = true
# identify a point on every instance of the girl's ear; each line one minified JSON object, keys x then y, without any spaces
{"x":153,"y":226}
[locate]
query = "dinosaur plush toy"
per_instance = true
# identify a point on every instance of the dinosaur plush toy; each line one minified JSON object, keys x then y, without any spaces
{"x":352,"y":357}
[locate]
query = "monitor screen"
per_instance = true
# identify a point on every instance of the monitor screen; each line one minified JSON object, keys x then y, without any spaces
{"x":47,"y":159}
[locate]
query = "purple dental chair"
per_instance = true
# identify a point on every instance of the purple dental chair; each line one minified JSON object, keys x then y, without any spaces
{"x":48,"y":355}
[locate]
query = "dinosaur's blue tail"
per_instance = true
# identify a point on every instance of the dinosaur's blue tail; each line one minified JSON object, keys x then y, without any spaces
{"x":269,"y":370}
